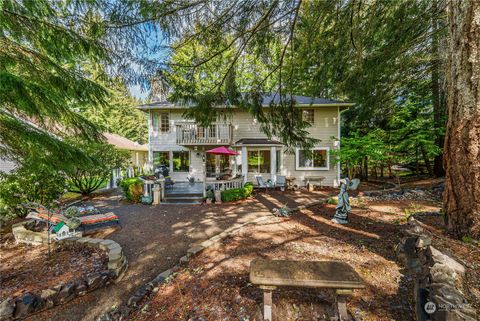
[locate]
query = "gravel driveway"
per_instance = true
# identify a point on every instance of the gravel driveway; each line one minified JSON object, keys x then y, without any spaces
{"x":154,"y":238}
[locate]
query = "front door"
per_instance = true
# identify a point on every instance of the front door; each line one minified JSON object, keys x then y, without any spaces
{"x":211,"y":165}
{"x":216,"y":164}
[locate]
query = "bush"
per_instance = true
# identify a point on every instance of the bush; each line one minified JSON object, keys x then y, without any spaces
{"x":33,"y":181}
{"x":87,"y":177}
{"x":332,"y":200}
{"x":71,"y":212}
{"x":237,"y":193}
{"x":132,"y":189}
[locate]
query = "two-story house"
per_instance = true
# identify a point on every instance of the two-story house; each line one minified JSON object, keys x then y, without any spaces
{"x":180,"y":144}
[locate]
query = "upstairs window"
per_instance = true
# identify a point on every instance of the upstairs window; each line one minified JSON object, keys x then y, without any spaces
{"x":164,"y":122}
{"x":315,"y":159}
{"x":308,"y":115}
{"x":161,"y":122}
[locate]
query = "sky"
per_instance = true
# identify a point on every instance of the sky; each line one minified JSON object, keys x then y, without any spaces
{"x":154,"y":39}
{"x":137,"y":92}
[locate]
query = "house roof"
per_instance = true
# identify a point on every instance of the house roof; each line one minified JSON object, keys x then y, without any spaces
{"x":58,"y":226}
{"x":257,"y":141}
{"x":267,"y":99}
{"x":121,"y":142}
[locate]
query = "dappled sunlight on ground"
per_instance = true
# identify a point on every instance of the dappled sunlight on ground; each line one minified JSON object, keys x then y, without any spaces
{"x":153,"y":239}
{"x":215,"y":284}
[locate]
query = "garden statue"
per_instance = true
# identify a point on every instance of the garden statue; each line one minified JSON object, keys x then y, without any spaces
{"x":343,"y":207}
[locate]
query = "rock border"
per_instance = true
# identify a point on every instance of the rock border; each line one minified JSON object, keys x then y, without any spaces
{"x":22,"y":235}
{"x":303,"y":207}
{"x":140,"y":294}
{"x":117,"y":262}
{"x":27,"y":304}
{"x":437,"y":278}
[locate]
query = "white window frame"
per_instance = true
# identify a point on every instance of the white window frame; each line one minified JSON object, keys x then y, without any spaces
{"x":297,"y":158}
{"x":312,"y":123}
{"x":158,"y":129}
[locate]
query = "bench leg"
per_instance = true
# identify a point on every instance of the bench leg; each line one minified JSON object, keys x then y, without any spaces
{"x":267,"y":305}
{"x":267,"y":302}
{"x":341,"y":302}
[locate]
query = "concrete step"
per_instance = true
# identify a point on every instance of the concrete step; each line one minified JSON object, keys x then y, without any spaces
{"x":181,"y":203}
{"x":173,"y":195}
{"x":183,"y":199}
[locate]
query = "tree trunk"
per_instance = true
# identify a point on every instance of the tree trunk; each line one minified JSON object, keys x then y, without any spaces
{"x":366,"y":168}
{"x":426,"y":160}
{"x":462,"y":140}
{"x":439,"y":108}
{"x":417,"y":164}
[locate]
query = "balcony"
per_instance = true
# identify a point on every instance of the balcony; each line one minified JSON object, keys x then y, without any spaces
{"x":192,"y":134}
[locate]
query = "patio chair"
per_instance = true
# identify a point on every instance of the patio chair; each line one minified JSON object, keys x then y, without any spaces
{"x":262,"y":183}
{"x":281,"y":182}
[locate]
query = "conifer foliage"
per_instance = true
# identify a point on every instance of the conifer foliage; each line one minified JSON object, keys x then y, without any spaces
{"x":41,"y":46}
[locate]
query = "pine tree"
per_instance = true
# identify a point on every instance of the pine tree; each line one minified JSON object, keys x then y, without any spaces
{"x":462,"y":144}
{"x":41,"y":83}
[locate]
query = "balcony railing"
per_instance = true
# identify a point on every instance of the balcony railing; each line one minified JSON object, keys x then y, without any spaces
{"x":193,"y":134}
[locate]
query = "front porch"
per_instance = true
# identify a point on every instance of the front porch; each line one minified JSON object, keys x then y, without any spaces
{"x":182,"y":192}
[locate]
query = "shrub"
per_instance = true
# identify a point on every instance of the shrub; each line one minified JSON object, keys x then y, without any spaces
{"x":33,"y":181}
{"x":236,"y":194}
{"x":210,"y":195}
{"x":71,"y":212}
{"x":332,"y":200}
{"x":89,"y":176}
{"x":132,"y":189}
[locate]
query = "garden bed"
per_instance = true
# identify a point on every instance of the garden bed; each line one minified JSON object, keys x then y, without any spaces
{"x":27,"y":269}
{"x":215,"y":284}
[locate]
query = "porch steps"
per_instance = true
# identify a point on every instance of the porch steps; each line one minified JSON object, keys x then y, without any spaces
{"x":183,"y":198}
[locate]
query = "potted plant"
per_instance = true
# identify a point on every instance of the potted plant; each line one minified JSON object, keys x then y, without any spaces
{"x":210,"y":196}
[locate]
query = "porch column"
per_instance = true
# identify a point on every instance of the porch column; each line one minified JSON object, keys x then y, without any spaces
{"x":204,"y":174}
{"x":170,"y":163}
{"x":244,"y":163}
{"x":235,"y":165}
{"x":150,"y":151}
{"x":273,"y":164}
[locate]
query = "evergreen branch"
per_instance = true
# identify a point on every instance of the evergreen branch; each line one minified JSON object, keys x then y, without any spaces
{"x":186,"y":6}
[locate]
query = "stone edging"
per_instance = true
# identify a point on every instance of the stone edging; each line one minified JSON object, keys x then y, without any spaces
{"x":28,"y":303}
{"x":117,"y":262}
{"x":23,"y":235}
{"x":303,"y":207}
{"x":147,"y":289}
{"x":437,"y":278}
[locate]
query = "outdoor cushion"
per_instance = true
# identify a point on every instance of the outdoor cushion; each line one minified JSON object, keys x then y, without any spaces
{"x":85,"y":220}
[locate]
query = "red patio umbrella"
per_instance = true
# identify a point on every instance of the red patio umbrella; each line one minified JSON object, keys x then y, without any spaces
{"x":221,"y":151}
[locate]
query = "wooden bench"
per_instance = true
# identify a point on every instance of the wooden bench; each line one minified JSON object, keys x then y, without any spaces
{"x":269,"y":274}
{"x":311,"y":180}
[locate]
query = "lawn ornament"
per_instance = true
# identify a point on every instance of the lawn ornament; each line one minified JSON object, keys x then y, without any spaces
{"x":343,"y":207}
{"x":62,"y":231}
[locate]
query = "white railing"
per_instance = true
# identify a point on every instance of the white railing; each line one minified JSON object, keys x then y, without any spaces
{"x":193,"y":134}
{"x":226,"y":185}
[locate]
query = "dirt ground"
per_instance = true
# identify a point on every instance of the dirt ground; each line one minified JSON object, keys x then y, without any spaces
{"x":28,"y":269}
{"x":154,"y":238}
{"x":215,"y":285}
